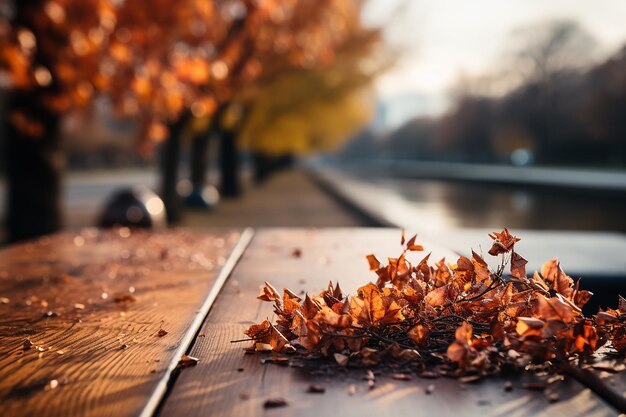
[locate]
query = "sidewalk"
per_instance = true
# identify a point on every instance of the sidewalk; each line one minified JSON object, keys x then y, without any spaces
{"x":288,"y":199}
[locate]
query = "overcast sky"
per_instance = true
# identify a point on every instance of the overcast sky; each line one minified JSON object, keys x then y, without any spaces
{"x":442,"y":39}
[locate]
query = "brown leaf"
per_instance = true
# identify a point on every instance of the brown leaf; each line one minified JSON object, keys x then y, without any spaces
{"x":419,"y":335}
{"x":518,"y":265}
{"x":341,"y":359}
{"x":187,"y":361}
{"x":367,"y":307}
{"x":275,"y":403}
{"x":316,"y":389}
{"x":258,"y":331}
{"x":528,"y":326}
{"x":374,"y":263}
{"x":268,"y":293}
{"x":439,"y":296}
{"x":481,"y":269}
{"x":124,"y":298}
{"x":410,"y":245}
{"x":503,"y":242}
{"x":556,"y":308}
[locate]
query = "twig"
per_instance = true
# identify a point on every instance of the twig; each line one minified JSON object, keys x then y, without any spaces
{"x":242,"y":340}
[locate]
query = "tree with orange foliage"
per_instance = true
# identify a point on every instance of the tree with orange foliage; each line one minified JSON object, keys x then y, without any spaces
{"x":50,"y":61}
{"x":160,"y":65}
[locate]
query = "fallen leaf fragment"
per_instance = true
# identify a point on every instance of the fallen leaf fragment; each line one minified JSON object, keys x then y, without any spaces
{"x":187,"y":361}
{"x":469,"y":379}
{"x":124,"y":298}
{"x":370,"y":378}
{"x":316,"y":389}
{"x":341,"y":359}
{"x":535,"y":386}
{"x":275,"y":403}
{"x":263,"y":347}
{"x":553,"y":397}
{"x":162,"y":332}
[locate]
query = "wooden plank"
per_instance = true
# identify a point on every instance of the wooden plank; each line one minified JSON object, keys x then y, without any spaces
{"x":92,"y":305}
{"x":226,"y":382}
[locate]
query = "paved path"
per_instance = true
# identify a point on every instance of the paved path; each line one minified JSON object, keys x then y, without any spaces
{"x":289,"y":199}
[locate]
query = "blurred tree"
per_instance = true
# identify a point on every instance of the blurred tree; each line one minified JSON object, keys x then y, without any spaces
{"x":466,"y":131}
{"x":603,"y":107}
{"x":414,"y":140}
{"x":545,"y":50}
{"x":550,"y":57}
{"x":539,"y":113}
{"x":315,"y":109}
{"x":49,"y":61}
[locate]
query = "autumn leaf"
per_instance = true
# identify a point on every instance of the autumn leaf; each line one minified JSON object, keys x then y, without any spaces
{"x":419,"y":335}
{"x":529,"y":326}
{"x":411,"y":246}
{"x":367,"y":307}
{"x":481,"y":269}
{"x":518,"y":265}
{"x":460,"y":349}
{"x":503,"y":242}
{"x":373,"y":262}
{"x":268,"y":293}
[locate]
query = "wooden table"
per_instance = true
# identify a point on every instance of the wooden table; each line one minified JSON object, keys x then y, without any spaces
{"x":95,"y":323}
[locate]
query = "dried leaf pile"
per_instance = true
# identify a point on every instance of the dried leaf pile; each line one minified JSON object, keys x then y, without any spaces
{"x":464,"y":317}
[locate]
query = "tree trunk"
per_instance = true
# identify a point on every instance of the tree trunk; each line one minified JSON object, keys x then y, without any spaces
{"x":199,"y":160}
{"x":262,"y":167}
{"x":267,"y":165}
{"x":229,"y":164}
{"x":34,"y":168}
{"x":170,"y":162}
{"x":33,"y":160}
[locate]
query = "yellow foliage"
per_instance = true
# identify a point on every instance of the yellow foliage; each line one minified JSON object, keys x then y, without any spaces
{"x":308,"y":110}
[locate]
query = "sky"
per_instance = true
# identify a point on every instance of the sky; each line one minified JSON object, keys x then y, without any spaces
{"x":442,"y":39}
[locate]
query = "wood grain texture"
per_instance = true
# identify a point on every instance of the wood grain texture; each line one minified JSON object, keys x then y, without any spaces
{"x":228,"y":383}
{"x":92,"y":304}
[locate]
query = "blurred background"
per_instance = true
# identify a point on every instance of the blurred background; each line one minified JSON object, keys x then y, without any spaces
{"x":435,"y":116}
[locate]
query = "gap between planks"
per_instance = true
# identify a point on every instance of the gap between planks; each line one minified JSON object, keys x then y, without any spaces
{"x":160,"y":392}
